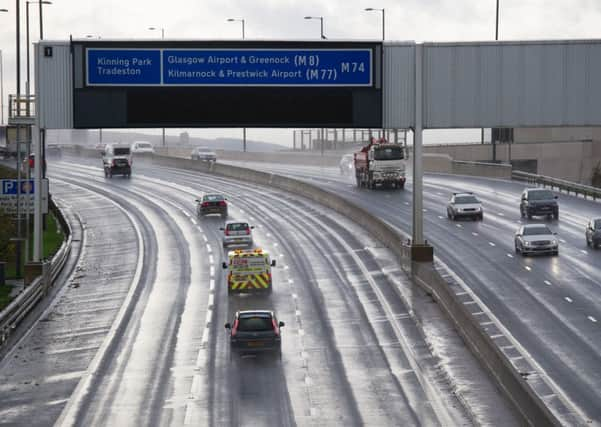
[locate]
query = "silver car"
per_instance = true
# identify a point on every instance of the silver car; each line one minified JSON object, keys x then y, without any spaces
{"x":536,"y":238}
{"x":237,"y":233}
{"x":464,"y":205}
{"x":204,"y":154}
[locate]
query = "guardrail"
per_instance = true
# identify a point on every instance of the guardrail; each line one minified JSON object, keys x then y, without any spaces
{"x":32,"y":294}
{"x":517,"y":390}
{"x":560,"y":184}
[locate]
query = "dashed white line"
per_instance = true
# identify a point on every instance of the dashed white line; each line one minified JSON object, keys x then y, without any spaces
{"x":212,"y":285}
{"x":547,"y":283}
{"x":193,"y":221}
{"x":209,"y":317}
{"x":211,"y":301}
{"x":407,"y":203}
{"x":212,"y":271}
{"x":209,"y":249}
{"x":527,"y":267}
{"x":425,"y":210}
{"x":592,"y":319}
{"x":584,"y":252}
{"x":458,"y":225}
{"x":186,"y":213}
{"x":509,"y":255}
{"x":440,"y":217}
{"x":562,"y":241}
{"x":568,"y":299}
{"x":211,"y":259}
{"x":501,"y":214}
{"x":474,"y":234}
{"x":205,"y":238}
{"x":491,"y":244}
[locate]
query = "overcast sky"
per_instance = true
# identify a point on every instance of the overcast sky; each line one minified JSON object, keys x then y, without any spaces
{"x":419,"y":20}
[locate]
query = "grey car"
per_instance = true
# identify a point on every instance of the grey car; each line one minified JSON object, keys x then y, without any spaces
{"x":464,"y":205}
{"x":536,"y":238}
{"x":255,"y":331}
{"x":593,"y":233}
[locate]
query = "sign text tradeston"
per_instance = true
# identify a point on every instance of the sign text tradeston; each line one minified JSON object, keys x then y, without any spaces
{"x":229,"y":67}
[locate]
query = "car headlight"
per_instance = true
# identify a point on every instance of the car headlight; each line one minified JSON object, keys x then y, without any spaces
{"x":526,"y":243}
{"x":555,"y":242}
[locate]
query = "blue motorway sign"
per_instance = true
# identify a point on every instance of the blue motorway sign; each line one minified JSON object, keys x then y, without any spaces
{"x":123,"y":66}
{"x":230,"y":67}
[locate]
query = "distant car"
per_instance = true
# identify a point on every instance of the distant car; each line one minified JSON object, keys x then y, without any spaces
{"x":100,"y":146}
{"x":53,"y":151}
{"x":255,"y":331}
{"x":116,"y":160}
{"x":538,"y":201}
{"x":464,"y":205}
{"x":536,"y":238}
{"x":593,"y":233}
{"x":211,"y":204}
{"x":347,"y":164}
{"x":142,"y":147}
{"x":237,"y":233}
{"x":204,"y":154}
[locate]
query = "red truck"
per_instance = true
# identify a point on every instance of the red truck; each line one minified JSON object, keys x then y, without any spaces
{"x":380,"y":163}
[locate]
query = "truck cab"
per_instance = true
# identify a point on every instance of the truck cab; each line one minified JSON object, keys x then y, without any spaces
{"x":380,"y":164}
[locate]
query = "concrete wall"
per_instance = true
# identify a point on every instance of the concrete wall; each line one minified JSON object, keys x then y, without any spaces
{"x":572,"y":161}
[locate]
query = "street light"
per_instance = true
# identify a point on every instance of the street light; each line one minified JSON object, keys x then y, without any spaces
{"x":238,"y":20}
{"x":2,"y":83}
{"x":371,"y":9}
{"x":243,"y":37}
{"x":27,"y":3}
{"x":321,"y":22}
{"x":162,"y":38}
{"x":157,"y":28}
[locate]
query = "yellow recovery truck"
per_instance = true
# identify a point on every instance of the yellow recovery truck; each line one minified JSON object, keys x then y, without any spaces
{"x":249,"y":271}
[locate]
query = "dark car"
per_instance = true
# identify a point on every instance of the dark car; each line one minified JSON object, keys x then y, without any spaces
{"x":538,"y":201}
{"x":593,"y":233}
{"x":255,"y":331}
{"x":212,"y":204}
{"x":116,"y":160}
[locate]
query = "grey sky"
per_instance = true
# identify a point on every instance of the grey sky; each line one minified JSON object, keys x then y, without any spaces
{"x":420,"y":20}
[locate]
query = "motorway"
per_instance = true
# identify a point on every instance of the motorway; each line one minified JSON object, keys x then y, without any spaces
{"x":136,"y":336}
{"x":549,"y":307}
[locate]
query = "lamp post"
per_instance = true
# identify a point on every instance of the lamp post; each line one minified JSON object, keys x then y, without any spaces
{"x":162,"y":38}
{"x":321,"y":24}
{"x":28,"y":81}
{"x":242,"y":21}
{"x":372,"y":9}
{"x":2,"y":83}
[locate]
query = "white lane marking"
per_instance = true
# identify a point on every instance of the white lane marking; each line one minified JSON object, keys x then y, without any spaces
{"x":301,"y":332}
{"x":527,"y":267}
{"x":440,"y":216}
{"x":458,"y":225}
{"x":494,"y":337}
{"x":211,"y":259}
{"x":275,"y":245}
{"x":562,"y":241}
{"x":501,"y":214}
{"x":186,"y":213}
{"x":294,"y":296}
{"x":203,"y":343}
{"x":592,"y":319}
{"x":212,"y":271}
{"x":510,"y":255}
{"x":297,"y":313}
{"x":474,"y":234}
{"x":407,"y":203}
{"x":205,"y":238}
{"x":209,"y":249}
{"x":568,"y":299}
{"x":584,"y":252}
{"x":290,"y":281}
{"x":425,"y":210}
{"x":491,"y":244}
{"x":211,"y":301}
{"x":209,"y":317}
{"x":199,"y":229}
{"x":212,"y":285}
{"x":547,"y":283}
{"x":193,"y":221}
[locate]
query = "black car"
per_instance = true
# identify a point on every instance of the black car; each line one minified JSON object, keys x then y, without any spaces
{"x":211,"y":204}
{"x":593,"y":233}
{"x":538,"y":201}
{"x":255,"y":331}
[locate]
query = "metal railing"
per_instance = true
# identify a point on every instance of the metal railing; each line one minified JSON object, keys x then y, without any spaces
{"x":559,"y":184}
{"x":16,"y":311}
{"x":21,"y":109}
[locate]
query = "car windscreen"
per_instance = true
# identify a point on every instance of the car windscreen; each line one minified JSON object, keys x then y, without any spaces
{"x":213,"y":198}
{"x":461,"y":200}
{"x":255,"y":323}
{"x":388,"y":153}
{"x":121,"y":151}
{"x":237,"y":226}
{"x":540,"y":195}
{"x":533,"y":231}
{"x":144,"y":145}
{"x":204,"y":150}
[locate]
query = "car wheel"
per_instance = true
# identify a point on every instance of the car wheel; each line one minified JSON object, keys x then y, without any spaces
{"x":453,"y":216}
{"x":517,"y":251}
{"x":522,"y":214}
{"x":556,"y":215}
{"x":529,"y":215}
{"x":224,"y":215}
{"x":481,"y":218}
{"x":448,"y":214}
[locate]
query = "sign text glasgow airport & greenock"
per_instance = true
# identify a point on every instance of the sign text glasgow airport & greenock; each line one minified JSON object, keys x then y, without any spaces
{"x":229,"y":67}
